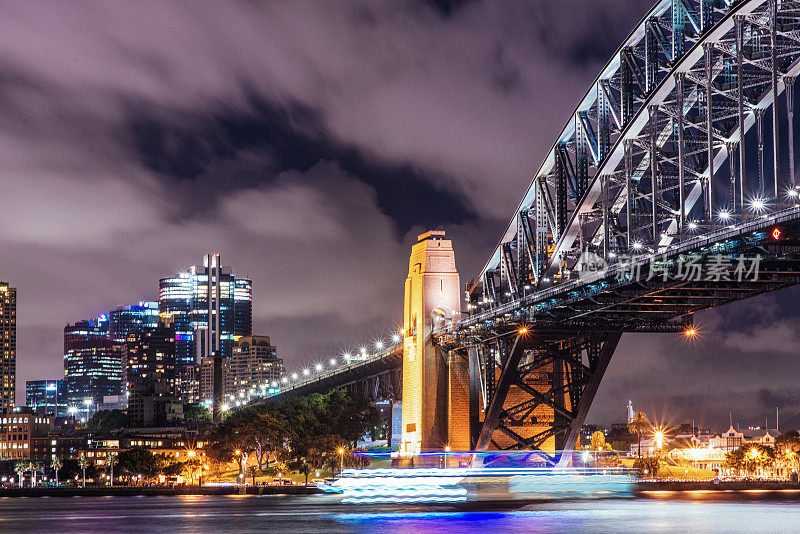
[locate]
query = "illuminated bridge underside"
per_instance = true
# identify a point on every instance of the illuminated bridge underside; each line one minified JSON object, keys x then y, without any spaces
{"x":536,"y":389}
{"x":676,"y":148}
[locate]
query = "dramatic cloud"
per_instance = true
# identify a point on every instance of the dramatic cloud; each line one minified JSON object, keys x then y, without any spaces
{"x":309,"y":142}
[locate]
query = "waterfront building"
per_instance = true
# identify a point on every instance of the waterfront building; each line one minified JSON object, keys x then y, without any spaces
{"x":47,"y":396}
{"x":17,"y":429}
{"x":92,"y":365}
{"x":254,"y":363}
{"x":728,"y":441}
{"x":8,"y":346}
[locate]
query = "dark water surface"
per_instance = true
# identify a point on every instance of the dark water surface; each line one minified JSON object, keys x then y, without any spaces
{"x":698,"y":513}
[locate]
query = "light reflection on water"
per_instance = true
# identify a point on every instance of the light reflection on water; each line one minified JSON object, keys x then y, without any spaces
{"x":698,"y":512}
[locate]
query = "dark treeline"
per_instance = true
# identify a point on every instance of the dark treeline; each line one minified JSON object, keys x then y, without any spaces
{"x":303,"y":434}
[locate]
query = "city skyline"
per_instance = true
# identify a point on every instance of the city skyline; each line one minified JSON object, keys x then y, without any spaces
{"x":317,"y":194}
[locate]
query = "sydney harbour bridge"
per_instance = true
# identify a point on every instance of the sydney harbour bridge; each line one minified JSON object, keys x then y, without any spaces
{"x":670,"y":190}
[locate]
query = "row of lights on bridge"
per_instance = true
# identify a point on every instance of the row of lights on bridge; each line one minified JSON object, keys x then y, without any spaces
{"x":267,"y":389}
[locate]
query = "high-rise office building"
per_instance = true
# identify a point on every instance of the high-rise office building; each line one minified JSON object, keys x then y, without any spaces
{"x":210,"y":305}
{"x":47,"y":396}
{"x":253,"y":364}
{"x":150,"y":355}
{"x":92,"y":364}
{"x":8,"y":346}
{"x":131,"y":319}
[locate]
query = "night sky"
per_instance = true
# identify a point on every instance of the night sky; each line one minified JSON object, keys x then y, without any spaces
{"x":309,"y":143}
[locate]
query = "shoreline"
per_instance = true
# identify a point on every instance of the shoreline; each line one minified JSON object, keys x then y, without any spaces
{"x":710,"y":485}
{"x":135,"y":491}
{"x":640,"y":489}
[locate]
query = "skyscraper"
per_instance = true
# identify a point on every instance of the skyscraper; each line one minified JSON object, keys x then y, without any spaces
{"x":46,"y":396}
{"x":92,"y":364}
{"x":150,"y":355}
{"x":210,"y":306}
{"x":8,"y":345}
{"x":130,"y":319}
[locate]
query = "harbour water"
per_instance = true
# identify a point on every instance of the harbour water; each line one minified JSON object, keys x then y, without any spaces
{"x":669,"y":512}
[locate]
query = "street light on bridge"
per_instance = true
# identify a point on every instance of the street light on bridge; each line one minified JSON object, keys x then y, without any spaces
{"x":691,"y":332}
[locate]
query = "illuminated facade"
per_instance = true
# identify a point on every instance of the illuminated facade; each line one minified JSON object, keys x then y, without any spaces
{"x":17,"y":430}
{"x":435,"y":386}
{"x":8,"y":345}
{"x":46,"y":396}
{"x":130,"y":319}
{"x":150,"y":355}
{"x":92,"y":364}
{"x":253,"y":364}
{"x":207,"y":315}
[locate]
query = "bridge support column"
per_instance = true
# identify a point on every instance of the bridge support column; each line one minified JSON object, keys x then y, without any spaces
{"x":435,"y":381}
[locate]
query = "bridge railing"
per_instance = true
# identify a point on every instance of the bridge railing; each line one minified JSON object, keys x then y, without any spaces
{"x":354,"y":364}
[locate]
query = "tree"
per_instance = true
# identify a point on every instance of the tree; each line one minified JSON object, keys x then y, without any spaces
{"x":788,"y":442}
{"x":638,"y":425}
{"x":306,"y":430}
{"x":750,"y":457}
{"x":83,"y":462}
{"x":647,"y":466}
{"x":139,"y":461}
{"x":33,"y":466}
{"x":598,"y":442}
{"x":56,"y":463}
{"x":192,"y":468}
{"x":111,"y":460}
{"x":196,"y":412}
{"x":20,"y":468}
{"x":107,"y":420}
{"x":253,"y":471}
{"x":302,"y":467}
{"x":232,"y":441}
{"x":267,"y":431}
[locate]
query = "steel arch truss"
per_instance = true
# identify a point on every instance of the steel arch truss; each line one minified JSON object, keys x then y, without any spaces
{"x":537,"y":394}
{"x":641,"y":164}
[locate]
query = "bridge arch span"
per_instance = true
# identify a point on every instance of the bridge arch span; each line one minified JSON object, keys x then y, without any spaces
{"x":628,"y":170}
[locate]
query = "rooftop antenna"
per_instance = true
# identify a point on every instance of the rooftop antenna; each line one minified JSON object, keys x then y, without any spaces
{"x":776,"y":419}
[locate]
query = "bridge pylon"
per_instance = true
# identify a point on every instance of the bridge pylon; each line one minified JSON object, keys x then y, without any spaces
{"x":435,"y":381}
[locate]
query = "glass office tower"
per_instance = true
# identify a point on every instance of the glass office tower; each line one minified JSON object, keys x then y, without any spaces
{"x":92,"y":364}
{"x":209,"y":305}
{"x":132,"y":319}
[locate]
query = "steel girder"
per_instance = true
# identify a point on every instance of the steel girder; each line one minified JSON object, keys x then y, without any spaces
{"x":641,"y":160}
{"x":552,"y":385}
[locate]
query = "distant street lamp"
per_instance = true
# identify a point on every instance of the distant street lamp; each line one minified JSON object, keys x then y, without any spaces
{"x":341,"y":460}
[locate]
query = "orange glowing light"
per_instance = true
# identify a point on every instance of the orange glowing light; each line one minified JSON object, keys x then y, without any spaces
{"x":522,"y":330}
{"x":776,"y":233}
{"x":690,"y":332}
